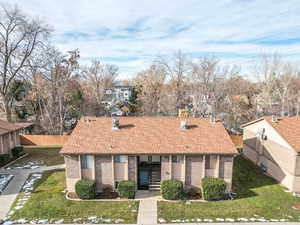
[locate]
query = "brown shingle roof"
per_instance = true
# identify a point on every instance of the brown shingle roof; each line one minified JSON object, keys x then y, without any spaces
{"x":6,"y":127}
{"x":287,"y":127}
{"x":149,"y":135}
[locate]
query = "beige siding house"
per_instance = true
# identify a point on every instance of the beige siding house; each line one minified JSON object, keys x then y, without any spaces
{"x":148,"y":151}
{"x":274,"y":144}
{"x":9,"y":136}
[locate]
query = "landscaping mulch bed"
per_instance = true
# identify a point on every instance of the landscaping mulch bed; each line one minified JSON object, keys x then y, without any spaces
{"x":102,"y":195}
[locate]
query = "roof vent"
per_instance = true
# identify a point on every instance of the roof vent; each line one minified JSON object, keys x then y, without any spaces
{"x":183,"y":125}
{"x":212,"y":120}
{"x":115,"y":124}
{"x":274,"y":119}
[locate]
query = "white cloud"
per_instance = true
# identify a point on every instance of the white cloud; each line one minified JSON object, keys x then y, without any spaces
{"x":132,"y":32}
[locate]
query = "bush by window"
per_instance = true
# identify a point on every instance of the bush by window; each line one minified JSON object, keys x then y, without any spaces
{"x":16,"y":151}
{"x":126,"y":189}
{"x":213,"y":188}
{"x":172,"y":189}
{"x":4,"y":158}
{"x":85,"y":189}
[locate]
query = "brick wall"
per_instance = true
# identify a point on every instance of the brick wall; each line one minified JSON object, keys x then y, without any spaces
{"x":72,"y":171}
{"x":132,"y":170}
{"x":194,"y":170}
{"x":165,"y":168}
{"x":103,"y":172}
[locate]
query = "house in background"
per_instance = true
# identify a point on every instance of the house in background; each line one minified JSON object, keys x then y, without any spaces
{"x":116,"y":95}
{"x":10,"y":135}
{"x":274,"y":144}
{"x":148,"y":150}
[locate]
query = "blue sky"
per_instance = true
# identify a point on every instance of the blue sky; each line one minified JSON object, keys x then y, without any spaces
{"x":131,"y":33}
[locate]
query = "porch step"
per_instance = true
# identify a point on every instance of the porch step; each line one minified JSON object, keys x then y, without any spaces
{"x":155,"y":183}
{"x":154,"y":186}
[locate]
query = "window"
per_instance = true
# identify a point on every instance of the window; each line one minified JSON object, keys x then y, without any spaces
{"x":86,"y":161}
{"x":116,"y":184}
{"x":155,"y":158}
{"x":175,"y":158}
{"x":210,"y":162}
{"x":120,"y":158}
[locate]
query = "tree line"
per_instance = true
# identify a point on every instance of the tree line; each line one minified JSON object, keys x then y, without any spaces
{"x":41,"y":83}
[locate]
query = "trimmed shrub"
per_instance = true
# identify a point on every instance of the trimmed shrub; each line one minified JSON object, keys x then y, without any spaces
{"x":16,"y":151}
{"x":213,"y":188}
{"x":126,"y":189}
{"x":4,"y":159}
{"x":85,"y":189}
{"x":172,"y":190}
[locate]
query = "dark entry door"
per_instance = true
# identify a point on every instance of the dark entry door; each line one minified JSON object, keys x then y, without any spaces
{"x":144,"y":179}
{"x":149,"y":168}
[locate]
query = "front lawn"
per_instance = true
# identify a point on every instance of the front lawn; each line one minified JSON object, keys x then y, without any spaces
{"x":259,"y":198}
{"x":38,"y":155}
{"x":48,"y":203}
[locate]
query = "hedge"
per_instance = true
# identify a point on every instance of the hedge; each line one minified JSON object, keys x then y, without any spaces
{"x":172,"y":189}
{"x":126,"y":189}
{"x":16,"y":151}
{"x":4,"y":158}
{"x":85,"y":189}
{"x":213,"y":188}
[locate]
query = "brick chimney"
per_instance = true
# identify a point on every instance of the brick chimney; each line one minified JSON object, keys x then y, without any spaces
{"x":183,"y":125}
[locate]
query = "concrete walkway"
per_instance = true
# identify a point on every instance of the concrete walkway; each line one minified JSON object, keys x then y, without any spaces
{"x":147,"y":212}
{"x":147,"y":195}
{"x":10,"y":193}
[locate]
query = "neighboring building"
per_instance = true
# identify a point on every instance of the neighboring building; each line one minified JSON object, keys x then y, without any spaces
{"x":183,"y":113}
{"x":117,"y":94}
{"x":115,"y":111}
{"x":148,"y":150}
{"x":274,"y":144}
{"x":9,"y":136}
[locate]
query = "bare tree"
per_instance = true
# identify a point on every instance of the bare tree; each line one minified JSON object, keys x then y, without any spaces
{"x":20,"y":36}
{"x":177,"y":69}
{"x":277,"y":78}
{"x":202,"y":83}
{"x":98,"y":77}
{"x":149,"y":85}
{"x":53,"y":88}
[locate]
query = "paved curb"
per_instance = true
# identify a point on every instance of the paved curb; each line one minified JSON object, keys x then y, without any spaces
{"x":254,"y":223}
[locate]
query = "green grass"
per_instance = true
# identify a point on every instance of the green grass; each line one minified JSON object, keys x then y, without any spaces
{"x":42,"y":146}
{"x":48,"y":155}
{"x":48,"y":202}
{"x":257,"y":196}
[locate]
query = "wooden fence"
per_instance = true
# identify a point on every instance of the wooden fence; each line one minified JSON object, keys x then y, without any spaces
{"x":237,"y":140}
{"x":46,"y":140}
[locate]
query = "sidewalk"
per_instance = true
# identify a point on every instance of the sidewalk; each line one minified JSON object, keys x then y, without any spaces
{"x":147,"y":212}
{"x":254,"y":223}
{"x":10,"y":193}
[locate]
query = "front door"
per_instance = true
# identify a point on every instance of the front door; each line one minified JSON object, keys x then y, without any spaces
{"x":149,"y":169}
{"x":144,"y":179}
